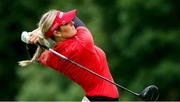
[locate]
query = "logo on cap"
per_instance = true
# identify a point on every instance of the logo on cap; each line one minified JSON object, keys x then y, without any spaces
{"x":61,"y":14}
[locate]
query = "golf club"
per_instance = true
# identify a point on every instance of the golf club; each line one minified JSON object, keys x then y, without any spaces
{"x":150,"y":93}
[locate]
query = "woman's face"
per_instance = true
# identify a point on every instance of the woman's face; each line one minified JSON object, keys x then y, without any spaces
{"x":68,"y":30}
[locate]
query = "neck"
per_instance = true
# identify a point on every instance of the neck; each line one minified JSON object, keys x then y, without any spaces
{"x":59,"y":39}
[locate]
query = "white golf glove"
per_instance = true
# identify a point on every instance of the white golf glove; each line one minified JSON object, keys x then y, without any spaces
{"x":25,"y":36}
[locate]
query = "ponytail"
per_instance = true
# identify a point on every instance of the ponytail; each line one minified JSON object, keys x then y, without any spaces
{"x":44,"y":24}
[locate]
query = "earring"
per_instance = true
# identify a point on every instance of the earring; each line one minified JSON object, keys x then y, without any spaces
{"x":72,"y":22}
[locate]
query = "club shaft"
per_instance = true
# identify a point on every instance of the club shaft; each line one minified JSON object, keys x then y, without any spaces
{"x":92,"y":72}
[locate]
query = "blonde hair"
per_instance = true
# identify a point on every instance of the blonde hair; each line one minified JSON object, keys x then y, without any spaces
{"x":43,"y":26}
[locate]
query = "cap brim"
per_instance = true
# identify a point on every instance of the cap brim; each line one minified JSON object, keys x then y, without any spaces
{"x":69,"y":16}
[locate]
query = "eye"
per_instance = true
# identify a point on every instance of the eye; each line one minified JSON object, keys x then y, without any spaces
{"x":66,"y":24}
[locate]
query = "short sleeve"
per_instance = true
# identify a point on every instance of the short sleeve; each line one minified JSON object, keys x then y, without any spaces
{"x":84,"y":37}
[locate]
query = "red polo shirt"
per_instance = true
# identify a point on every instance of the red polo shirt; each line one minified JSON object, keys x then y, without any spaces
{"x":82,"y":50}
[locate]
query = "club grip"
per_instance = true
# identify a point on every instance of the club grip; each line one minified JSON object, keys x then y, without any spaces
{"x":25,"y":37}
{"x":43,"y":46}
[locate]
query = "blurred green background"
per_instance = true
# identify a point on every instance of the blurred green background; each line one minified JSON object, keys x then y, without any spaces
{"x":140,"y":38}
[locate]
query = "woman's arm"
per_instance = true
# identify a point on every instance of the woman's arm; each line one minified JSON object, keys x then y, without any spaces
{"x":78,"y":22}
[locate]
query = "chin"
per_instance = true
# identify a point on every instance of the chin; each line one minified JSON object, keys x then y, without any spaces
{"x":71,"y":35}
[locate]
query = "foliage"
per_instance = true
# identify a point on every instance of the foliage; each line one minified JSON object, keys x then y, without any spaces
{"x":140,"y":38}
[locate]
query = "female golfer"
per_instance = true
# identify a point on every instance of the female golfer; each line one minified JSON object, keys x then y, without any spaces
{"x":73,"y":40}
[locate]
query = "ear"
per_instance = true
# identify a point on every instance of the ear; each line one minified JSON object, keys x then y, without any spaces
{"x":57,"y":33}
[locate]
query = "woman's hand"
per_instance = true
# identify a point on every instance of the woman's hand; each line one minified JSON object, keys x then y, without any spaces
{"x":34,"y":36}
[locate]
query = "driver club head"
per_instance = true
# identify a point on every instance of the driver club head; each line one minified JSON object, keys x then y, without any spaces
{"x":150,"y":93}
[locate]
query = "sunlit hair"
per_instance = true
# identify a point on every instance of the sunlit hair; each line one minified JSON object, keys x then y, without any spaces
{"x":43,"y":26}
{"x":47,"y":20}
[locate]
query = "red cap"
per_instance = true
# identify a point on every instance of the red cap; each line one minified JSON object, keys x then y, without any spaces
{"x":60,"y":19}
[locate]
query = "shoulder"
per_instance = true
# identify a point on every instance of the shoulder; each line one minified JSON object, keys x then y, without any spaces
{"x":83,"y":30}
